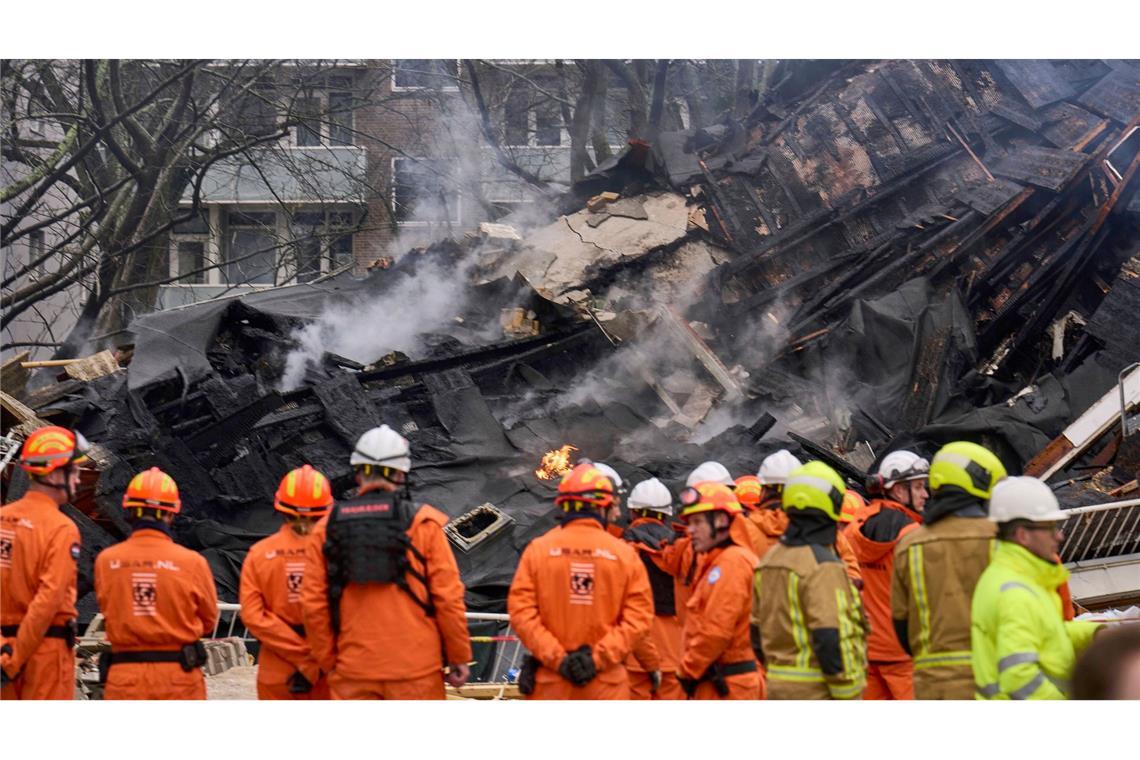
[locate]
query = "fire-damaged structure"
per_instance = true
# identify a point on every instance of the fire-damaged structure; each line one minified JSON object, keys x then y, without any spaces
{"x":893,"y":254}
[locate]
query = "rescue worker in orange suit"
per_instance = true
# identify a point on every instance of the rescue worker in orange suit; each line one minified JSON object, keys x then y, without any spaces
{"x":654,"y":662}
{"x":809,"y":628}
{"x":580,"y":600}
{"x":718,"y":661}
{"x":937,"y":567}
{"x":874,"y":533}
{"x":39,"y":546}
{"x":770,"y":518}
{"x":158,"y":600}
{"x":381,"y":601}
{"x":271,"y":579}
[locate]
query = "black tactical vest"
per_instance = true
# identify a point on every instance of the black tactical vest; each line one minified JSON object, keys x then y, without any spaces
{"x":660,"y":582}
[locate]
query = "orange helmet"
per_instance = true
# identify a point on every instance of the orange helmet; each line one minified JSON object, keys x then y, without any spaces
{"x":153,"y":489}
{"x":709,"y":497}
{"x":586,"y":484}
{"x":304,"y":492}
{"x":50,"y":448}
{"x":852,"y":503}
{"x":748,"y":490}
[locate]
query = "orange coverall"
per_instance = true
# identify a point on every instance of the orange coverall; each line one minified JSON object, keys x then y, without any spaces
{"x":270,"y":596}
{"x":772,"y":521}
{"x":661,"y":649}
{"x":575,"y":585}
{"x":39,"y":546}
{"x":155,"y":596}
{"x":890,"y":671}
{"x":388,"y":648}
{"x":716,"y":627}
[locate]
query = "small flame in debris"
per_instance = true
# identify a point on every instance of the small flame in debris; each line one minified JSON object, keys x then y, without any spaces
{"x":555,"y":463}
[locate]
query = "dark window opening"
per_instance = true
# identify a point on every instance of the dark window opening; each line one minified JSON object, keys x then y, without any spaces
{"x":191,"y":258}
{"x":425,"y":73}
{"x":251,"y":253}
{"x":423,"y":191}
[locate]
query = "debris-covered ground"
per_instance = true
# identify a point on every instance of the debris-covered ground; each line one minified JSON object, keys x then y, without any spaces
{"x":901,"y":254}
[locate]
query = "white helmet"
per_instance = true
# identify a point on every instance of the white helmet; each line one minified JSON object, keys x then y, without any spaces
{"x":652,"y":495}
{"x":776,"y":467}
{"x":610,"y":473}
{"x":1024,"y":498}
{"x":383,"y":447}
{"x":710,"y":471}
{"x":902,"y":465}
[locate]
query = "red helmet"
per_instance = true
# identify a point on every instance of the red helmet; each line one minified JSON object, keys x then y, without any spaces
{"x":747,"y":490}
{"x":153,"y":489}
{"x":304,"y":492}
{"x":586,"y":484}
{"x":51,"y":448}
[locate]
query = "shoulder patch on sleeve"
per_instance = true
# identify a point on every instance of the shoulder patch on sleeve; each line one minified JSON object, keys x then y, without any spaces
{"x":714,"y":575}
{"x":75,"y":551}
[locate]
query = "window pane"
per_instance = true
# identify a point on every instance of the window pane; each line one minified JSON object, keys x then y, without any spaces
{"x":308,"y":252}
{"x":255,"y":113}
{"x":426,"y":73}
{"x":423,"y":192}
{"x":548,"y":124}
{"x":251,"y":257}
{"x":517,"y":118}
{"x":257,"y":219}
{"x":309,"y":130}
{"x":340,"y":252}
{"x":191,"y":257}
{"x":197,"y":225}
{"x":340,"y":118}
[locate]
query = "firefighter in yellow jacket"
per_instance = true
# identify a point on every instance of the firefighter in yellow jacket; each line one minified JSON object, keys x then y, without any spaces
{"x":937,"y":567}
{"x":808,"y":627}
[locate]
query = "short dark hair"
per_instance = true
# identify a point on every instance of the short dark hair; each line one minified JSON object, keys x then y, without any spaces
{"x":1098,"y":671}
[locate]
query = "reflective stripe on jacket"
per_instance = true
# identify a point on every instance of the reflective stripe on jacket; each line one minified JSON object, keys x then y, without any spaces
{"x":936,"y":569}
{"x":802,"y":598}
{"x":1022,"y":646}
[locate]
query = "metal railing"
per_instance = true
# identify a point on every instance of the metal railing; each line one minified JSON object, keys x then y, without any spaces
{"x":1101,"y":531}
{"x":507,"y":650}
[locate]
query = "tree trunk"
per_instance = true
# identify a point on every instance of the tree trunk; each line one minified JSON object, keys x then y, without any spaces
{"x":745,"y":82}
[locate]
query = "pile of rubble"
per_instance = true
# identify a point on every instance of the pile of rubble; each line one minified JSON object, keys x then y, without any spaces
{"x":905,"y":253}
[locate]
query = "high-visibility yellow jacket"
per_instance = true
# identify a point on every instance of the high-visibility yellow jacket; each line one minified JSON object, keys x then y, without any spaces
{"x":813,"y":632}
{"x":936,"y":569}
{"x":1022,"y":646}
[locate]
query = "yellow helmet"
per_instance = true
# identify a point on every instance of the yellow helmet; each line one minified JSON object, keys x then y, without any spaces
{"x":815,"y":486}
{"x":973,"y":468}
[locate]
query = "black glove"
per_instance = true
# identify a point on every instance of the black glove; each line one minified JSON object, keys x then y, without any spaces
{"x":578,"y":666}
{"x":298,"y":684}
{"x":688,"y":685}
{"x":6,"y":679}
{"x":654,"y":681}
{"x":526,"y":675}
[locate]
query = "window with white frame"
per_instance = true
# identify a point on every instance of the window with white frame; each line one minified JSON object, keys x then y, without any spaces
{"x":425,"y":191}
{"x":532,"y":116}
{"x":321,"y":242}
{"x":36,"y":248}
{"x":189,"y":243}
{"x":251,"y":248}
{"x":423,"y":74}
{"x":325,"y":112}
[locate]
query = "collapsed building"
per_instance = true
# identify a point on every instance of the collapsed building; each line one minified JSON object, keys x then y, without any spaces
{"x":899,"y":255}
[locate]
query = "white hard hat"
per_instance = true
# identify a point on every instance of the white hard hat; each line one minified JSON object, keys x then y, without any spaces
{"x":1024,"y":498}
{"x":653,"y":495}
{"x":383,"y":447}
{"x":902,"y":465}
{"x":710,"y":471}
{"x":610,"y":473}
{"x":775,"y":468}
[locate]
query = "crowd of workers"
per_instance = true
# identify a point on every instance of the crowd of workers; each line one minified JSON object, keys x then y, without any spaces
{"x":781,"y":585}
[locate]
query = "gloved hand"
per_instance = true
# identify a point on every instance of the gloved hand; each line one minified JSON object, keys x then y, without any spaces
{"x":578,"y":666}
{"x":526,"y":675}
{"x":654,"y":681}
{"x":6,"y":654}
{"x":688,"y":685}
{"x":298,"y":684}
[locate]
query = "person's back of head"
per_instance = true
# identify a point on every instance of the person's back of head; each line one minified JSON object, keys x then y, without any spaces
{"x":1110,"y":667}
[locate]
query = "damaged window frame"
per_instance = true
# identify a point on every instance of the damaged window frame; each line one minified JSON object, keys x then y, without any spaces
{"x":398,"y":67}
{"x":455,"y":211}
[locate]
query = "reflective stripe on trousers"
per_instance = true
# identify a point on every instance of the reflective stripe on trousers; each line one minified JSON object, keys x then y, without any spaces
{"x":797,"y":675}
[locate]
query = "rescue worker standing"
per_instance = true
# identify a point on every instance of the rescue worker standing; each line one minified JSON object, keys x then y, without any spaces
{"x":158,"y":600}
{"x":718,"y":662}
{"x":580,"y":600}
{"x":937,"y":567}
{"x":654,"y":662}
{"x":381,"y":601}
{"x":809,"y":629}
{"x":873,"y":536}
{"x":39,"y":547}
{"x":1022,"y":646}
{"x":270,"y":595}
